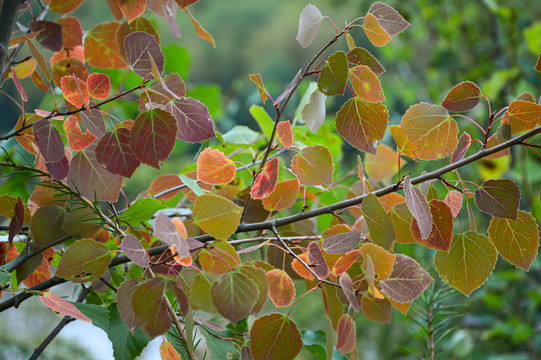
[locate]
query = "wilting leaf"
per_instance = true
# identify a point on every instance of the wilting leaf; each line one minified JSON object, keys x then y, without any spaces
{"x":283,"y":196}
{"x":313,"y":165}
{"x":48,"y":140}
{"x":407,"y":281}
{"x":378,"y":310}
{"x":498,"y":198}
{"x":308,"y":25}
{"x":341,"y":243}
{"x":317,"y":261}
{"x":285,"y":133}
{"x":213,"y":167}
{"x":77,"y":140}
{"x":419,"y":208}
{"x":234,"y":295}
{"x":388,"y":18}
{"x":442,"y":228}
{"x":193,"y":119}
{"x":313,"y":113}
{"x":516,"y":241}
{"x":72,"y":33}
{"x":64,"y":6}
{"x":382,"y":260}
{"x":275,"y":337}
{"x":50,"y":34}
{"x":148,"y":303}
{"x":166,"y":231}
{"x":219,"y":258}
{"x":366,"y":84}
{"x":98,"y":85}
{"x":362,"y":124}
{"x":113,"y":151}
{"x":346,"y":336}
{"x":135,"y":251}
{"x":374,"y":31}
{"x":403,"y":143}
{"x":462,"y":97}
{"x":140,"y":48}
{"x":464,"y":142}
{"x":256,"y":78}
{"x":265,"y":182}
{"x":56,"y":303}
{"x":152,"y":137}
{"x":216,"y":215}
{"x":85,"y":260}
{"x":88,"y":177}
{"x":333,"y":77}
{"x":432,"y":129}
{"x":101,"y":47}
{"x":349,"y":292}
{"x":379,"y":225}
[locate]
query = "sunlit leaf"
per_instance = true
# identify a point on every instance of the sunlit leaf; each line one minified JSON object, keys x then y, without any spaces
{"x":75,"y":91}
{"x":98,"y":85}
{"x":366,"y":84}
{"x":498,"y":198}
{"x":379,"y":225}
{"x":333,"y":77}
{"x":374,"y":31}
{"x":88,"y":177}
{"x":313,"y":165}
{"x":216,"y":215}
{"x":361,"y":56}
{"x":523,"y":116}
{"x":148,"y":303}
{"x":309,"y":22}
{"x":388,"y":18}
{"x":204,"y":34}
{"x":462,"y":97}
{"x":378,"y":310}
{"x":265,"y":182}
{"x":516,"y":241}
{"x":275,"y":337}
{"x":283,"y":196}
{"x":419,"y":208}
{"x":101,"y":47}
{"x":256,"y":78}
{"x":213,"y":167}
{"x":234,"y":295}
{"x":468,"y":263}
{"x":77,"y":140}
{"x":64,"y":6}
{"x":362,"y":124}
{"x":431,"y":129}
{"x":56,"y":303}
{"x":281,"y":288}
{"x":85,"y":260}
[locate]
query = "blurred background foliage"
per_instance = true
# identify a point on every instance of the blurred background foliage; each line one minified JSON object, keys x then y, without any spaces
{"x":492,"y":43}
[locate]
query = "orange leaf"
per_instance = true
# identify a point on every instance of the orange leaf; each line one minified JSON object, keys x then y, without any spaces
{"x":72,"y":92}
{"x":162,"y":183}
{"x":168,"y":352}
{"x":285,"y":133}
{"x":101,"y":47}
{"x":99,"y":85}
{"x":200,"y":30}
{"x":345,"y":262}
{"x":256,"y":78}
{"x":42,"y":273}
{"x":72,"y":33}
{"x":56,"y":303}
{"x":374,"y":32}
{"x":77,"y":140}
{"x":283,"y":196}
{"x":265,"y":182}
{"x":179,"y":225}
{"x":403,"y":143}
{"x":366,"y":84}
{"x":300,"y":269}
{"x":281,"y":288}
{"x":213,"y":167}
{"x":132,"y":9}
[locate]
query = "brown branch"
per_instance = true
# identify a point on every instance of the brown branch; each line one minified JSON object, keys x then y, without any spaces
{"x":7,"y":17}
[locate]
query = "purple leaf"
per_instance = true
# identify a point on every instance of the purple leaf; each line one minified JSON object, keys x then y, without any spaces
{"x":139,"y":46}
{"x":193,"y":120}
{"x":498,"y":198}
{"x":115,"y":154}
{"x":419,"y":208}
{"x":464,"y":142}
{"x":407,"y":281}
{"x":48,"y":140}
{"x":135,"y":251}
{"x":16,"y":223}
{"x":124,"y":297}
{"x":166,"y":231}
{"x":341,"y":243}
{"x":388,"y":18}
{"x":93,"y":121}
{"x":50,"y":36}
{"x":317,"y":261}
{"x":58,"y":169}
{"x":347,"y":288}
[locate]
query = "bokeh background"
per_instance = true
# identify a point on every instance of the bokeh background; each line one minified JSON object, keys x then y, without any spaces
{"x":493,"y":43}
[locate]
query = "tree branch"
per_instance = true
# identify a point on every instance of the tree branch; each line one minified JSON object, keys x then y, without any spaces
{"x":8,"y":16}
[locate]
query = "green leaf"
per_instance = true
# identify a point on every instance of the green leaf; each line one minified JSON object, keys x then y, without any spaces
{"x":5,"y":277}
{"x":98,"y":314}
{"x":240,"y":134}
{"x":216,"y":215}
{"x":378,"y":310}
{"x":469,"y":262}
{"x":313,"y":165}
{"x":221,"y":348}
{"x":85,"y":260}
{"x":141,"y":211}
{"x":263,"y":119}
{"x":192,"y":185}
{"x":125,"y":345}
{"x":234,"y":295}
{"x":516,"y":241}
{"x":46,"y":225}
{"x":333,"y":77}
{"x":379,"y":225}
{"x":275,"y":337}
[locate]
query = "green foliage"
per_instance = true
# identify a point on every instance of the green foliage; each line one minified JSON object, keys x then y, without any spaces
{"x":254,"y":211}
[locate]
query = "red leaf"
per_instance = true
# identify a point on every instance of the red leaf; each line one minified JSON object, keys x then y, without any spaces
{"x":56,"y":303}
{"x":442,"y":228}
{"x":132,"y":9}
{"x":18,"y":85}
{"x":462,"y":97}
{"x":101,"y":47}
{"x":283,"y":196}
{"x":213,"y":167}
{"x":76,"y":139}
{"x":185,"y":3}
{"x":345,"y":334}
{"x":281,"y":288}
{"x":74,"y":91}
{"x":113,"y":151}
{"x":265,"y":182}
{"x":285,"y":133}
{"x":464,"y":142}
{"x":453,"y":199}
{"x":98,"y":85}
{"x":42,"y":273}
{"x":345,"y":262}
{"x":317,"y":261}
{"x":72,"y":33}
{"x":16,"y":223}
